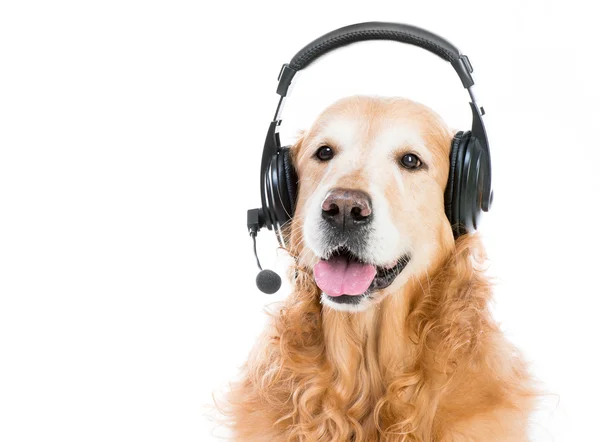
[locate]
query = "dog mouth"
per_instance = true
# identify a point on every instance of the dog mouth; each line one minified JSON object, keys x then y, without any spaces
{"x":346,"y":279}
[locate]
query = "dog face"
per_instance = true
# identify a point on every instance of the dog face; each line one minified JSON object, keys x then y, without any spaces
{"x":370,"y":211}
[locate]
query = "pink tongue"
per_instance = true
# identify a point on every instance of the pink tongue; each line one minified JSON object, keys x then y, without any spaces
{"x":337,"y":276}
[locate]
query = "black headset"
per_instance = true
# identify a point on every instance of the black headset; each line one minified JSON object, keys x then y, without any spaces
{"x":469,"y":188}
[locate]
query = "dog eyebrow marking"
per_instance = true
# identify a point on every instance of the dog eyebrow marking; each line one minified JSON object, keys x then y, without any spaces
{"x":344,"y":131}
{"x":392,"y":138}
{"x":402,"y":136}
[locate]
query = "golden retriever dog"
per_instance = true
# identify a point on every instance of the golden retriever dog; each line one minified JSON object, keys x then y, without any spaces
{"x":387,"y":334}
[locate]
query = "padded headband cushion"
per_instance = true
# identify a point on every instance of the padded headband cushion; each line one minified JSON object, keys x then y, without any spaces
{"x":375,"y":31}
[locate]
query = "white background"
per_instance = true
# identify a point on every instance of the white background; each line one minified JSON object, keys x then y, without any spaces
{"x":130,"y":142}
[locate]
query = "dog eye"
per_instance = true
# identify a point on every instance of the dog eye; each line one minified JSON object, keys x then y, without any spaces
{"x":410,"y":161}
{"x":324,"y":153}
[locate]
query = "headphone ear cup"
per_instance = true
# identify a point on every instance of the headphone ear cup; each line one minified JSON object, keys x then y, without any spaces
{"x":454,"y":196}
{"x":466,"y":179}
{"x":283,"y":186}
{"x":291,"y":178}
{"x":451,"y":187}
{"x":472,"y":185}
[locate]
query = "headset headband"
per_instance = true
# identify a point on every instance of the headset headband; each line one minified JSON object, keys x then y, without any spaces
{"x":364,"y":32}
{"x":377,"y":31}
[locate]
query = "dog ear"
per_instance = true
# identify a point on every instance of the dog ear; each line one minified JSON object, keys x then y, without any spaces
{"x":296,"y":147}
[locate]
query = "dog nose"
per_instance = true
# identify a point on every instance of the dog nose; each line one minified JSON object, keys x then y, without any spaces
{"x":346,"y":208}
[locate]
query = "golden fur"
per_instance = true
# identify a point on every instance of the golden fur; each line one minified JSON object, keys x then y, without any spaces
{"x":426,"y":363}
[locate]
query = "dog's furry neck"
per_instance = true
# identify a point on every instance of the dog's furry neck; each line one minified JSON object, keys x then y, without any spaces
{"x":406,"y":370}
{"x":376,"y":335}
{"x":382,"y":333}
{"x":373,"y":359}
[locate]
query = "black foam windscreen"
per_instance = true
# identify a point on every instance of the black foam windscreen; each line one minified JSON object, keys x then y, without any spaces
{"x":268,"y":281}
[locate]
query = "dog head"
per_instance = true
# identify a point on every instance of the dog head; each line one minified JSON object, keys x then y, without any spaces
{"x":370,"y":210}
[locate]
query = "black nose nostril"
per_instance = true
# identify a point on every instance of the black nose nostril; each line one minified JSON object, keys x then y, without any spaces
{"x":332,"y":211}
{"x":356,"y":214}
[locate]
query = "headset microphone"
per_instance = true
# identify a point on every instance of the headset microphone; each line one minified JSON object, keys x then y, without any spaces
{"x":267,"y":281}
